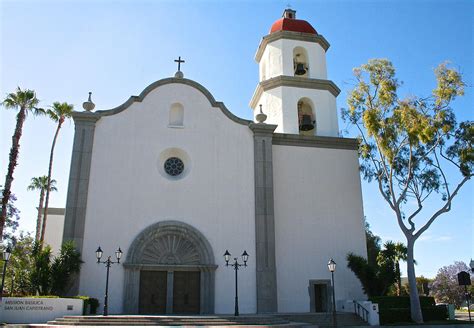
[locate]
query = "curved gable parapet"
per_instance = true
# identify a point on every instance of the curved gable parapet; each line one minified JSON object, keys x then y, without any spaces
{"x":157,"y":84}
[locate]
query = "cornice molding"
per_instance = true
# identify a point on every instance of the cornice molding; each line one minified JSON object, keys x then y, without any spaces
{"x":94,"y":116}
{"x":318,"y":38}
{"x":293,"y":81}
{"x":283,"y":139}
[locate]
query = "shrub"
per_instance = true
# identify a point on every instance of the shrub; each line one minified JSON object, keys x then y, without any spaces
{"x":394,"y":309}
{"x":92,"y":302}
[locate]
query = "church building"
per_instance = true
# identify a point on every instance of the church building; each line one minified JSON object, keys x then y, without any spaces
{"x":174,"y":179}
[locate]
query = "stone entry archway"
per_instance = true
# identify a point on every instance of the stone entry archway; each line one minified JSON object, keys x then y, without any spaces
{"x":165,"y":248}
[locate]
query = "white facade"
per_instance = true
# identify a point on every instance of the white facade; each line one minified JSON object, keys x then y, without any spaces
{"x":55,"y":223}
{"x":290,"y":198}
{"x":128,"y":188}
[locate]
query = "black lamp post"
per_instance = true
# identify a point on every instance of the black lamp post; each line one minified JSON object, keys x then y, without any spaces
{"x":236,"y":265}
{"x":6,"y":257}
{"x":108,"y":263}
{"x":332,"y":268}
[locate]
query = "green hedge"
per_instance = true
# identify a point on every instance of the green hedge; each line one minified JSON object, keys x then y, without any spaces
{"x":401,"y":302}
{"x":93,"y":303}
{"x":394,"y":309}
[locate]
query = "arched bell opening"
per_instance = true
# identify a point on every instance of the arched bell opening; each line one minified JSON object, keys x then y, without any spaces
{"x":300,"y":62}
{"x":176,"y":115}
{"x":306,"y":117}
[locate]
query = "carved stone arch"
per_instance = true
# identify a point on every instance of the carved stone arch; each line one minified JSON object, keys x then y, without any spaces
{"x":169,"y":246}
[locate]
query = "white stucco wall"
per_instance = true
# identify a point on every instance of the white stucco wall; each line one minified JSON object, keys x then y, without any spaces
{"x":127,"y":193}
{"x":53,"y":235}
{"x":278,"y":59}
{"x":281,"y":106}
{"x":318,"y":216}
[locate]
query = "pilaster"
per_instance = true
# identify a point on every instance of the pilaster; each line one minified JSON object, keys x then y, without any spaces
{"x":264,"y":218}
{"x":76,"y":204}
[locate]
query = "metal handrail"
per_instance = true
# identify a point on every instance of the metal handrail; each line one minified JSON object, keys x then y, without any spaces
{"x":361,"y":311}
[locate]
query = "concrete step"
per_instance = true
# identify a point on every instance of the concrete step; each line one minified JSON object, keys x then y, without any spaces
{"x":124,"y":320}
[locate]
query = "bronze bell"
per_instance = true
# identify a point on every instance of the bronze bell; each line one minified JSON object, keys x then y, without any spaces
{"x":300,"y":69}
{"x":306,"y":123}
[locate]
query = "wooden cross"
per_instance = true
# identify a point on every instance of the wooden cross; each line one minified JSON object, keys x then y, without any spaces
{"x":179,"y":61}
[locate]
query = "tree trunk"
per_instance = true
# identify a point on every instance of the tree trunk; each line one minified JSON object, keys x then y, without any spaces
{"x":40,"y":214}
{"x":415,"y":307}
{"x":20,"y":119}
{"x":48,"y":186}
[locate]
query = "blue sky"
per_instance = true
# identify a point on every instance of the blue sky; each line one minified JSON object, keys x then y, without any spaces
{"x":64,"y":49}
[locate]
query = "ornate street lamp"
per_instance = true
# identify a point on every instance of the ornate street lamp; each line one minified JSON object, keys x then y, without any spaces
{"x":471,"y":264}
{"x":108,"y":263}
{"x":236,"y":265}
{"x":6,"y":257}
{"x":332,"y":268}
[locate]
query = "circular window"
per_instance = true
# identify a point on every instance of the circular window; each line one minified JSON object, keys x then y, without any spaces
{"x":174,"y":166}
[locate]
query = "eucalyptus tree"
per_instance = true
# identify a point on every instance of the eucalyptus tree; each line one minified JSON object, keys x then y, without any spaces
{"x":408,"y":146}
{"x":25,"y":102}
{"x":58,"y":112}
{"x":41,"y":184}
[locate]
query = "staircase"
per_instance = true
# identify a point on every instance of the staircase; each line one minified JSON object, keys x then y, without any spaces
{"x":320,"y":320}
{"x":324,"y":319}
{"x":141,"y":320}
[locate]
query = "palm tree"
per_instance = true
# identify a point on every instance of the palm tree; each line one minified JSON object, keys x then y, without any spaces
{"x":41,"y":183}
{"x":26,"y":102}
{"x":58,"y":113}
{"x":395,"y":252}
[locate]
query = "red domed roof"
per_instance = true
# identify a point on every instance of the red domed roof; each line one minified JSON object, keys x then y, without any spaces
{"x":294,"y":25}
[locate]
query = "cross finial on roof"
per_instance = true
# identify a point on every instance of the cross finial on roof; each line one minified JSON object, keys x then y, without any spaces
{"x":179,"y":61}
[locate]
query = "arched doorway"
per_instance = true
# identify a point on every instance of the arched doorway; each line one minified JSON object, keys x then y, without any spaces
{"x":169,"y":269}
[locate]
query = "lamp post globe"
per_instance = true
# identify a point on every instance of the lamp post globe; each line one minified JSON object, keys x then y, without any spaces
{"x":7,"y":253}
{"x":118,"y":254}
{"x":332,"y":265}
{"x":98,"y":254}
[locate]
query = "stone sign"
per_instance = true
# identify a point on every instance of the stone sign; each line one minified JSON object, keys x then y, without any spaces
{"x":37,"y":310}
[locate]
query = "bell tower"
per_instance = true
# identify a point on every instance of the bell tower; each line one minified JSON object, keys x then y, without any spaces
{"x":293,"y":88}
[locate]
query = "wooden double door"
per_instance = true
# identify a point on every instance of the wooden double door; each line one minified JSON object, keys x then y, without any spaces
{"x":170,"y":292}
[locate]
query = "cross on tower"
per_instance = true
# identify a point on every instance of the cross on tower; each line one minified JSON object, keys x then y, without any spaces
{"x":179,"y":61}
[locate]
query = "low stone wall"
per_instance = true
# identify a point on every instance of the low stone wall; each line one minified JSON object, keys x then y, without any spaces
{"x":37,"y":310}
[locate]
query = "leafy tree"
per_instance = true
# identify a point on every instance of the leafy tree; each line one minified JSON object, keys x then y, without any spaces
{"x":373,"y":245}
{"x":41,"y":268}
{"x":26,"y":102}
{"x":41,"y":183}
{"x":19,"y":266}
{"x":445,"y":287}
{"x":376,"y":279}
{"x":406,"y":146}
{"x":11,"y":222}
{"x":58,"y":113}
{"x":64,"y":266}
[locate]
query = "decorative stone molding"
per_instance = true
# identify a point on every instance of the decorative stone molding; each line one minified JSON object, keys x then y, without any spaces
{"x":169,"y":246}
{"x":98,"y":114}
{"x":283,"y":139}
{"x":292,"y":36}
{"x":293,"y":81}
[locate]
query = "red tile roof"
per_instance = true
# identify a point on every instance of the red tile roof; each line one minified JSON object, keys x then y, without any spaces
{"x":294,"y":25}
